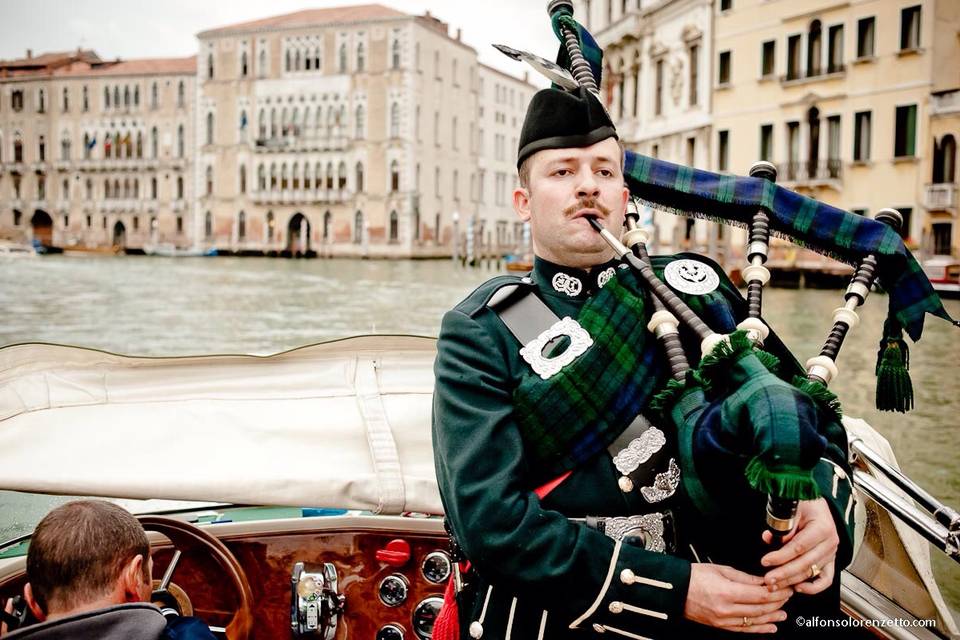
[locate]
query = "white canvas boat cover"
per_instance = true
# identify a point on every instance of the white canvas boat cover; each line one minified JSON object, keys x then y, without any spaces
{"x":340,"y":424}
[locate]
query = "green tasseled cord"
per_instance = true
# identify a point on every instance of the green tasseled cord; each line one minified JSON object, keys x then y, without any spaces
{"x":894,"y":388}
{"x":791,"y":484}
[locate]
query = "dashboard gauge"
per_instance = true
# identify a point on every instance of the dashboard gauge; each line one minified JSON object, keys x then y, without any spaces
{"x":390,"y":632}
{"x":436,"y":567}
{"x":425,"y":616}
{"x":393,"y":590}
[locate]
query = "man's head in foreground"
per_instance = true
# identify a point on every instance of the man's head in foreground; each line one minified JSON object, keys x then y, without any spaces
{"x":570,"y":164}
{"x":86,"y":555}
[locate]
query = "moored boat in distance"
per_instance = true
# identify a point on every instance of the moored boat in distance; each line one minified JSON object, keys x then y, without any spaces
{"x":170,"y":250}
{"x":16,"y":251}
{"x":944,"y":274}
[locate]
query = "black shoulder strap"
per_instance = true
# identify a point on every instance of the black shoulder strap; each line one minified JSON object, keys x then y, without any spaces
{"x":522,"y":311}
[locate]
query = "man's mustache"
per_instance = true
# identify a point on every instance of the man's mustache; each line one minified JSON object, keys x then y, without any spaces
{"x":586,"y":203}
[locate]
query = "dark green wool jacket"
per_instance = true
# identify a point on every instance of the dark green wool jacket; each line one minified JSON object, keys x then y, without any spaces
{"x":538,"y":570}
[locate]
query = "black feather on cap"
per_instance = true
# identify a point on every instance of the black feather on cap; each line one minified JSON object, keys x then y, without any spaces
{"x":558,"y":119}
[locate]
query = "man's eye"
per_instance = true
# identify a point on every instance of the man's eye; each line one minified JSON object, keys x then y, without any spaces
{"x":606,"y":173}
{"x":562,"y":172}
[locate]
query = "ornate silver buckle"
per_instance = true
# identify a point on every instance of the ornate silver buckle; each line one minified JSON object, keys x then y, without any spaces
{"x":647,"y":527}
{"x":546,"y":367}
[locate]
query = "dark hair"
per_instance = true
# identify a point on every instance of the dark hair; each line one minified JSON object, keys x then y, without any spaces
{"x":78,"y":551}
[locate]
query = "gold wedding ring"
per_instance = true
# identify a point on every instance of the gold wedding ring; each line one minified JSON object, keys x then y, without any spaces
{"x":746,"y":621}
{"x":814,"y":571}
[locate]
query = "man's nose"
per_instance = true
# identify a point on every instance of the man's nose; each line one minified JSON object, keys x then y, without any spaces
{"x":587,"y":185}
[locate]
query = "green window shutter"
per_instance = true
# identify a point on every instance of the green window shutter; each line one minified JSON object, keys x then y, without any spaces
{"x":911,"y":130}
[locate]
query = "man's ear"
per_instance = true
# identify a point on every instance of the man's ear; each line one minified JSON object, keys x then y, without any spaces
{"x":521,"y":203}
{"x":35,"y":608}
{"x":131,"y":580}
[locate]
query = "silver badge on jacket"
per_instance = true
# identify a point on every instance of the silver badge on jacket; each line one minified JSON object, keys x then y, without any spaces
{"x":691,"y":276}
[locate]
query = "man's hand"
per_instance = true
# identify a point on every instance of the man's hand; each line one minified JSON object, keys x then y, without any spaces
{"x":721,"y":596}
{"x":810,"y":547}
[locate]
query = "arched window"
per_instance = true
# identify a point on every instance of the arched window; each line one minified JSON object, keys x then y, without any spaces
{"x":154,"y":191}
{"x":180,"y":141}
{"x":136,"y":95}
{"x":89,"y":188}
{"x":86,"y":99}
{"x":243,"y":178}
{"x":126,"y":187}
{"x":273,"y":177}
{"x":243,"y":125}
{"x":116,"y":188}
{"x":316,"y":59}
{"x":116,"y":97}
{"x":359,"y":176}
{"x":66,"y":99}
{"x":126,"y":96}
{"x":342,"y":58}
{"x":289,"y":61}
{"x":271,"y":226}
{"x":342,"y":121}
{"x":329,"y":175}
{"x":262,"y":64}
{"x":296,"y":61}
{"x":394,"y":176}
{"x":65,"y":146}
{"x":294,"y":122}
{"x":86,"y":146}
{"x":210,"y":128}
{"x":181,"y":95}
{"x":395,"y":54}
{"x":261,"y":178}
{"x":296,"y":176}
{"x":327,"y":219}
{"x":359,"y":123}
{"x":262,"y":125}
{"x":944,"y":160}
{"x":210,"y":66}
{"x":136,"y":187}
{"x":154,"y":96}
{"x":179,"y":187}
{"x":394,"y":226}
{"x":106,"y":98}
{"x":17,"y":148}
{"x":358,"y":227}
{"x":107,"y":189}
{"x":208,"y":225}
{"x":342,"y":175}
{"x":273,"y":122}
{"x":317,"y":176}
{"x":209,"y":181}
{"x":361,"y":58}
{"x":241,"y":226}
{"x":395,"y":120}
{"x":243,"y":64}
{"x":307,"y":182}
{"x":284,"y":176}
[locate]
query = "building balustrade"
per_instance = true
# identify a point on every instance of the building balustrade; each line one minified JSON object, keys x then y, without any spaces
{"x":945,"y":103}
{"x":940,"y":196}
{"x":301,"y":196}
{"x":301,"y":143}
{"x":810,"y":173}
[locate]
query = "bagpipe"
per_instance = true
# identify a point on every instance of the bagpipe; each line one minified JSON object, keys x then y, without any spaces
{"x":751,"y":428}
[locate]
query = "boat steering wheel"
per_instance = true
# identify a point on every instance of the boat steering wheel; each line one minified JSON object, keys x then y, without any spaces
{"x":187,"y":536}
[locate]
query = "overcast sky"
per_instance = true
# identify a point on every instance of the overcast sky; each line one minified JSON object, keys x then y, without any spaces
{"x":167,"y":28}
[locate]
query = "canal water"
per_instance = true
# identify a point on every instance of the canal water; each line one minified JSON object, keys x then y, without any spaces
{"x":166,"y":306}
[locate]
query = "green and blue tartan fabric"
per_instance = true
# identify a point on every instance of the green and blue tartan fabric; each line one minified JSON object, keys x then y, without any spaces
{"x":821,"y":227}
{"x":579,"y":411}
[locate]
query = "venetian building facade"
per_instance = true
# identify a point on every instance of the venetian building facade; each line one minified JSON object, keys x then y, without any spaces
{"x":96,"y":154}
{"x":657,"y":69}
{"x":336,"y":132}
{"x":501,"y":107}
{"x":856,"y":103}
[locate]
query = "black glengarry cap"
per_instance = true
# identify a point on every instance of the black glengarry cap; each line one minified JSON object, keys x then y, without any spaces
{"x":558,"y":119}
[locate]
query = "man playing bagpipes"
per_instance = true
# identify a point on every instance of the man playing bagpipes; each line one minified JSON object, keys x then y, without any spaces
{"x":577,"y":468}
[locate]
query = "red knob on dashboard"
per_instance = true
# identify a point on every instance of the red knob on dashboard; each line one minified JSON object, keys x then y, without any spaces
{"x":396,"y":553}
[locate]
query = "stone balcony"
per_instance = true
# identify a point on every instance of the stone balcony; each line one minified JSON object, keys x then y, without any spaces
{"x":940,"y":197}
{"x":302,"y":196}
{"x":289,"y":144}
